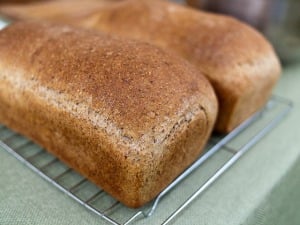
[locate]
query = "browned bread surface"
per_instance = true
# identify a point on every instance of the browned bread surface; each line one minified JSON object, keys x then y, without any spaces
{"x":19,"y":1}
{"x":55,"y":10}
{"x":239,"y":62}
{"x":125,"y":114}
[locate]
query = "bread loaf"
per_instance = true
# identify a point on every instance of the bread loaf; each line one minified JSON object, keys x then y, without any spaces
{"x":238,"y":61}
{"x":127,"y":115}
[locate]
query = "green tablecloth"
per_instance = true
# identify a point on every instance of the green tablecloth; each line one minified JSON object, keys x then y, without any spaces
{"x":262,"y":188}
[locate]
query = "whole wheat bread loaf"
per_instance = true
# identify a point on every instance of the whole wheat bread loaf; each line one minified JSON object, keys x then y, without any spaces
{"x":127,"y":115}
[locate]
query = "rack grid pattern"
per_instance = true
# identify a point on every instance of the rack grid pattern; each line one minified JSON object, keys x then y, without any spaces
{"x":220,"y":154}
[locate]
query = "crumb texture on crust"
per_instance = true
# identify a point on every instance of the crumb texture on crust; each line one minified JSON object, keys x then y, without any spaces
{"x":117,"y":111}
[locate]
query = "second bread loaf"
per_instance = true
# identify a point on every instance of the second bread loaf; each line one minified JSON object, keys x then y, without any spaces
{"x":239,"y":62}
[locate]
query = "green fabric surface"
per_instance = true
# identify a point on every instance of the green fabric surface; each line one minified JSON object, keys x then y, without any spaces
{"x":282,"y":204}
{"x":258,"y":189}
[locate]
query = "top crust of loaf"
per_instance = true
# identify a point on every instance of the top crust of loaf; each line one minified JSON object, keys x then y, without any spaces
{"x":114,"y":77}
{"x":128,"y":115}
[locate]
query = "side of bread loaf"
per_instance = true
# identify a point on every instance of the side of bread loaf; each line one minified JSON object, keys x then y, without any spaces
{"x":125,"y":114}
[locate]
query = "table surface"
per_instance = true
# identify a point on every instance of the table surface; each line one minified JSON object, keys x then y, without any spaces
{"x":262,"y":188}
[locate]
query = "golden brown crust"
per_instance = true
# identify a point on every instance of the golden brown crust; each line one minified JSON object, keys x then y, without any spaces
{"x":239,"y":62}
{"x":53,"y":10}
{"x":19,"y":1}
{"x":125,"y":114}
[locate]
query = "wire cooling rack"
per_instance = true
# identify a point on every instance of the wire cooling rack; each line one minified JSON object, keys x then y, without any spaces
{"x":220,"y":154}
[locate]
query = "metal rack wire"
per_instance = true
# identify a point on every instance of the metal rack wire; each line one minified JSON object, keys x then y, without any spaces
{"x":221,"y":153}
